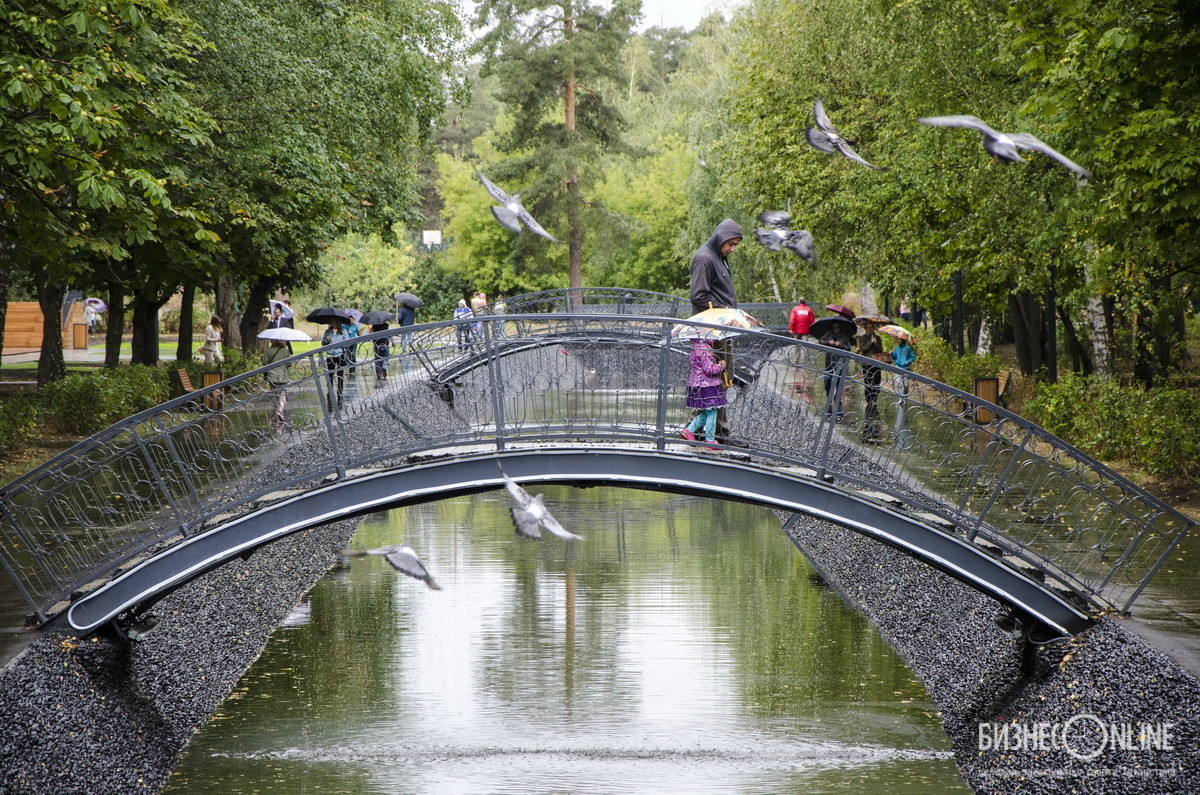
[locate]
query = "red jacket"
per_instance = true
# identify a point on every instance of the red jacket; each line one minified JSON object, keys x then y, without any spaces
{"x":801,"y":319}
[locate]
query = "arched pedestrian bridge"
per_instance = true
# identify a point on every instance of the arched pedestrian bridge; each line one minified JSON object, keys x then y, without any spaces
{"x":102,"y":531}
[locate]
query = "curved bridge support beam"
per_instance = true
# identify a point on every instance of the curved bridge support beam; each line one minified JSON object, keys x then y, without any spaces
{"x":435,"y":479}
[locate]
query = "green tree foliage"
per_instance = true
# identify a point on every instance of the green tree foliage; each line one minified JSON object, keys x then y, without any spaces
{"x":324,"y":111}
{"x":97,"y":125}
{"x":553,"y":61}
{"x":1109,"y":86}
{"x":647,"y":193}
{"x":364,"y":271}
{"x":93,"y":102}
{"x":1121,"y":83}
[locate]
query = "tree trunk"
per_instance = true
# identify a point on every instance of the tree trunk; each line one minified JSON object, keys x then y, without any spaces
{"x":51,"y":366}
{"x":253,"y":318}
{"x":984,"y":344}
{"x":144,"y":348}
{"x":574,"y":229}
{"x":866,"y":299}
{"x":225,"y":307}
{"x":1026,"y":315}
{"x":1050,"y":335}
{"x":114,"y":331}
{"x":1080,"y":361}
{"x":957,"y":325}
{"x":187,"y":308}
{"x":5,"y":281}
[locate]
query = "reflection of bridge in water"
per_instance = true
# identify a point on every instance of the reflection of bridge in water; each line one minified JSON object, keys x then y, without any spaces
{"x":100,"y":533}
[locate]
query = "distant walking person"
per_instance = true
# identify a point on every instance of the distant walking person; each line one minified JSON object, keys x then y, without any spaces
{"x":462,"y":332}
{"x":801,"y":319}
{"x":406,"y":317}
{"x":712,"y":287}
{"x":212,"y":341}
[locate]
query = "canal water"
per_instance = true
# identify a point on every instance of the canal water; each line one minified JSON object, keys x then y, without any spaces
{"x":684,"y":646}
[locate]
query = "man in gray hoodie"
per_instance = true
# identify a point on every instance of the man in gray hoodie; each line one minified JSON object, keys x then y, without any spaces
{"x":712,"y":279}
{"x":712,"y":287}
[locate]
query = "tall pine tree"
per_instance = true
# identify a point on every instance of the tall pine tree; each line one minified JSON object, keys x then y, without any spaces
{"x":553,"y":60}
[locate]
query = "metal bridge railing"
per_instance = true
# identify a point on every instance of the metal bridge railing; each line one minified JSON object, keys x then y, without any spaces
{"x":620,"y":301}
{"x":170,"y":472}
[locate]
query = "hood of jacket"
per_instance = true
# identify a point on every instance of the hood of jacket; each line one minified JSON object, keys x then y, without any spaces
{"x":726,"y":230}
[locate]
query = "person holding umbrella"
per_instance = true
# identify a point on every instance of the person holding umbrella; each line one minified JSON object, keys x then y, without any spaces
{"x":869,"y":345}
{"x":407,"y":305}
{"x":835,"y":332}
{"x":381,"y":346}
{"x":335,"y":359}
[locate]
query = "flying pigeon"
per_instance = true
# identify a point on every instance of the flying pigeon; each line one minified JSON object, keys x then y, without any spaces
{"x":776,"y":236}
{"x":1003,"y":146}
{"x":531,"y":515}
{"x":512,"y":214}
{"x":775,"y":219}
{"x":403,"y":560}
{"x":825,"y":139}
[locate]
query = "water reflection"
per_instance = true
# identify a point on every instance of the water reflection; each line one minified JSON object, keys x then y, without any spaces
{"x":681,"y":648}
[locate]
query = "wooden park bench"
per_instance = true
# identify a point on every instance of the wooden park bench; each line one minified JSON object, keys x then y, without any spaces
{"x":185,"y":381}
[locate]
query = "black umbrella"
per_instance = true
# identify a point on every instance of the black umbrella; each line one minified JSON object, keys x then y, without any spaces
{"x":409,"y":300}
{"x":834,"y":326}
{"x":375,"y":317}
{"x":327,"y":314}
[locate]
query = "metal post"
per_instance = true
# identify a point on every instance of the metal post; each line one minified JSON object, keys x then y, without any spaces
{"x":1153,"y":569}
{"x":663,"y":359}
{"x":496,"y":387}
{"x":12,"y":575}
{"x":33,"y":548}
{"x":1003,"y":479}
{"x":318,"y":374}
{"x":182,"y":468}
{"x":162,"y":486}
{"x":833,"y":400}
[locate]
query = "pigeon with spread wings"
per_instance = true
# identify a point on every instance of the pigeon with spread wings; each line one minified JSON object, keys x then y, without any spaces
{"x":1003,"y":146}
{"x":403,"y":559}
{"x":824,"y":138}
{"x":512,"y":214}
{"x":776,"y":236}
{"x":531,"y":515}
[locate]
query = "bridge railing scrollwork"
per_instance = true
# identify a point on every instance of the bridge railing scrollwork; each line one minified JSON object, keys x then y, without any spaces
{"x":980,"y":472}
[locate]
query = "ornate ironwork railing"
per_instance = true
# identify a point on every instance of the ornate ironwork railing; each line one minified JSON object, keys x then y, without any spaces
{"x":620,"y":301}
{"x":973,"y":468}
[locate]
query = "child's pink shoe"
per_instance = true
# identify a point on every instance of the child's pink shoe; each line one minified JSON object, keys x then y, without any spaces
{"x":686,"y":434}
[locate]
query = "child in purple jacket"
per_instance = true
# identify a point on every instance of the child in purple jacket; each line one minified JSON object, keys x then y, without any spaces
{"x":705,"y":391}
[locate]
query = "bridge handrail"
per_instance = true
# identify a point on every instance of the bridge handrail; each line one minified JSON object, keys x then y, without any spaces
{"x":169,"y":471}
{"x":622,"y":301}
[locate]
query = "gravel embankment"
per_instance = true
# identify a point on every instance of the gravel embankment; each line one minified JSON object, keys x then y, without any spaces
{"x":1105,"y":676}
{"x":101,"y":716}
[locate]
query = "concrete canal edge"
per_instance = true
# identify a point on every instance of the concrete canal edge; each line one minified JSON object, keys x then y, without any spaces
{"x":1101,"y":712}
{"x":102,"y":716}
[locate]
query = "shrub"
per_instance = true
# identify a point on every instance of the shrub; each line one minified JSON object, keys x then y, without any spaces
{"x":18,"y":417}
{"x":1151,"y":428}
{"x":82,"y":404}
{"x":937,"y":360}
{"x":168,"y":321}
